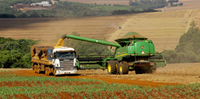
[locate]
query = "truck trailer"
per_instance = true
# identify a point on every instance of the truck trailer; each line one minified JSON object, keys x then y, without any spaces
{"x":56,"y":60}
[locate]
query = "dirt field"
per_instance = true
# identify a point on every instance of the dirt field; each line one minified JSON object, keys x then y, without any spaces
{"x":172,"y":74}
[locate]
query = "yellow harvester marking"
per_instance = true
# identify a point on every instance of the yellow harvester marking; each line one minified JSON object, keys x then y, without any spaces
{"x":121,"y":55}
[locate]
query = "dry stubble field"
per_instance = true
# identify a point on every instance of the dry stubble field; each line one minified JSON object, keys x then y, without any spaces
{"x":164,"y":28}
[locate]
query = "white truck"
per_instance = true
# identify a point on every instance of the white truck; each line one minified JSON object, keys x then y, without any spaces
{"x":56,"y":60}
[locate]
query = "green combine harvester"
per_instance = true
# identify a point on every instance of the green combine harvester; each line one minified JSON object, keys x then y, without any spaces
{"x":133,"y":52}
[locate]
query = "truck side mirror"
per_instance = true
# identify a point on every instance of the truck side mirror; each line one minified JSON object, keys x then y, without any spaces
{"x":51,"y":56}
{"x":77,"y":56}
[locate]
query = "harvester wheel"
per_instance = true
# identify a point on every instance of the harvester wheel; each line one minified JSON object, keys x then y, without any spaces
{"x":112,"y":67}
{"x":123,"y":68}
{"x":139,"y":71}
{"x":152,"y":69}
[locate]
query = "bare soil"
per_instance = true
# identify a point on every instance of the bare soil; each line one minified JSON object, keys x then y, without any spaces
{"x":172,"y":74}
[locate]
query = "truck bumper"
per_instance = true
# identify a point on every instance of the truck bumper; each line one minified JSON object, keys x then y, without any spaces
{"x":60,"y":72}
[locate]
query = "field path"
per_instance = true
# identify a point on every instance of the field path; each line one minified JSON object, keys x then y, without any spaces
{"x":105,"y":77}
{"x":118,"y":31}
{"x":172,"y":74}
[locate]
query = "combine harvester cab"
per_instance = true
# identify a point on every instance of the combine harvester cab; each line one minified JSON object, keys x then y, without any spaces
{"x":57,"y":60}
{"x":133,"y":52}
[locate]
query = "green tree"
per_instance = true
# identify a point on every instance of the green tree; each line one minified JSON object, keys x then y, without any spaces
{"x":4,"y":56}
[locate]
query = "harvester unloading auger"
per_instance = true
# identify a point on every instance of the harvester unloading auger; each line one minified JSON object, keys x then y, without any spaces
{"x":133,"y":52}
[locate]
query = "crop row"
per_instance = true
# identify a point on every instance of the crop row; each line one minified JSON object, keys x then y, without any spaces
{"x":7,"y":74}
{"x":44,"y":83}
{"x":107,"y":91}
{"x":103,"y":90}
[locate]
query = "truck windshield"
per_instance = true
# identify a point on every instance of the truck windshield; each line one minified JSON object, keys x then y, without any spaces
{"x":65,"y":55}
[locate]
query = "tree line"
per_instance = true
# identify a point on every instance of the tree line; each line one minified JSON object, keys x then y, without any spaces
{"x":148,"y":4}
{"x":188,"y":49}
{"x":15,"y":53}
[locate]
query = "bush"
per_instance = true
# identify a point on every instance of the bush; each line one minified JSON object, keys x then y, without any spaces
{"x":188,"y":49}
{"x":15,"y":53}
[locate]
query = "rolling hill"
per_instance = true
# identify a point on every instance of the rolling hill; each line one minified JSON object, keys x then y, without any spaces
{"x":164,"y":28}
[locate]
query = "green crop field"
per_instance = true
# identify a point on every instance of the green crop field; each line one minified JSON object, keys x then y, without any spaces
{"x":13,"y":85}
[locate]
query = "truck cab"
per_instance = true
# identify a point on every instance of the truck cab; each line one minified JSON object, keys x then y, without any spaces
{"x":56,"y":60}
{"x":64,"y":60}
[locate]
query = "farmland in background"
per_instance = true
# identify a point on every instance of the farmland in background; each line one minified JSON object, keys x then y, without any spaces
{"x":164,"y":28}
{"x":187,"y":4}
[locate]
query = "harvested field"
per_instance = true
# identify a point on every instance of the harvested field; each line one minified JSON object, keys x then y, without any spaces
{"x":51,"y":29}
{"x":177,"y":82}
{"x":163,"y":28}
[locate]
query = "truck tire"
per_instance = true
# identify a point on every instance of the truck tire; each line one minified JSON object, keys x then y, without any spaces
{"x":38,"y":68}
{"x":112,"y":67}
{"x":54,"y":72}
{"x":33,"y":67}
{"x":123,"y":68}
{"x":47,"y":71}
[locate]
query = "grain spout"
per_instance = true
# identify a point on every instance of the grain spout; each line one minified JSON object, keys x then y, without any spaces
{"x":60,"y":42}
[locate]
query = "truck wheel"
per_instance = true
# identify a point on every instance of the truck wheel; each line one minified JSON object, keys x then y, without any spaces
{"x":54,"y":72}
{"x":35,"y":68}
{"x":112,"y":67}
{"x":123,"y":68}
{"x":47,"y":71}
{"x":38,"y":68}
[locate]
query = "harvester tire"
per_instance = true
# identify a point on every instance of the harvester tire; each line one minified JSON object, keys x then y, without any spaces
{"x":152,"y":69}
{"x":123,"y":68}
{"x":112,"y":67}
{"x":139,"y":71}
